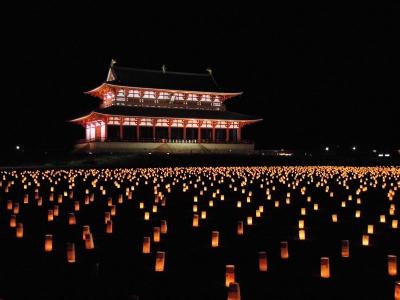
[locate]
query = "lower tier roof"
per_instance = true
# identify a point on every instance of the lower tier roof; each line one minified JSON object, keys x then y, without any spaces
{"x":175,"y":113}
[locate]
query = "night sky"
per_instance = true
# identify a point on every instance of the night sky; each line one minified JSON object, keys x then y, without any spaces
{"x":317,"y":76}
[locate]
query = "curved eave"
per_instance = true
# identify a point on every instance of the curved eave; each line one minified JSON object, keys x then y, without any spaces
{"x":96,"y":90}
{"x":83,"y":118}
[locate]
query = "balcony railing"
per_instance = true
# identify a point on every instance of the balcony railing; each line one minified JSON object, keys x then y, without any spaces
{"x":163,"y":140}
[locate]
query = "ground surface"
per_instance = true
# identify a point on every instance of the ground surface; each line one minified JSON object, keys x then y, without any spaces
{"x":117,"y":269}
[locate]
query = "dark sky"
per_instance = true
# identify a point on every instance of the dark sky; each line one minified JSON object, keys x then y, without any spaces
{"x":317,"y":76}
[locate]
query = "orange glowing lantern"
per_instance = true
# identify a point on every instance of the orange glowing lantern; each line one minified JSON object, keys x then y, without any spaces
{"x":284,"y":250}
{"x":345,"y":248}
{"x":48,"y":243}
{"x":397,"y":290}
{"x":71,"y":252}
{"x":214,"y":239}
{"x":303,"y":211}
{"x":89,"y":244}
{"x":249,"y":220}
{"x":240,"y":228}
{"x":50,"y":215}
{"x":76,"y":206}
{"x":13,"y":221}
{"x":325,"y":272}
{"x":382,"y":218}
{"x":392,"y":265}
{"x":9,"y":205}
{"x":195,"y":208}
{"x":71,"y":219}
{"x":262,"y":261}
{"x":113,"y":210}
{"x":20,"y":230}
{"x":164,"y":227}
{"x":156,"y":234}
{"x":234,"y":291}
{"x":85,"y":230}
{"x":146,"y":215}
{"x":302,"y":234}
{"x":365,"y":240}
{"x":301,"y":224}
{"x":195,"y":220}
{"x":146,"y":245}
{"x":160,"y":261}
{"x":229,"y":275}
{"x":395,"y":224}
{"x":370,"y":229}
{"x":203,"y":214}
{"x":109,"y":226}
{"x":334,"y":218}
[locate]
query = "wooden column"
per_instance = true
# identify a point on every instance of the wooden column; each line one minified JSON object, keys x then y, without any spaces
{"x":239,"y":132}
{"x":121,"y":129}
{"x":213,"y":130}
{"x":137,"y":129}
{"x":227,"y":131}
{"x":199,"y":123}
{"x":169,"y":129}
{"x":184,"y":129}
{"x":154,"y":121}
{"x":105,"y":128}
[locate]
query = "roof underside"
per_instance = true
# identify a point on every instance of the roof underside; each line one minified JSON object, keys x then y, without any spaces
{"x":156,"y":79}
{"x":175,"y":113}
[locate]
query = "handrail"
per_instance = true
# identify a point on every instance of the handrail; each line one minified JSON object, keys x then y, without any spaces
{"x":163,"y":140}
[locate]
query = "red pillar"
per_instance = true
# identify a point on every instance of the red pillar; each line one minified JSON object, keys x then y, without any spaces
{"x":239,"y":133}
{"x":138,"y":130}
{"x":154,"y":129}
{"x":169,"y":129}
{"x":199,"y":123}
{"x":213,"y":131}
{"x":184,"y":130}
{"x":121,"y":129}
{"x":227,"y":132}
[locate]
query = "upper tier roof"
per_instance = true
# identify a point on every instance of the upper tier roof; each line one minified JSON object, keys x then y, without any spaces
{"x":159,"y":79}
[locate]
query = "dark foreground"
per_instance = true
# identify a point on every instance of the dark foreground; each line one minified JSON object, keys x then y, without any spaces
{"x":117,"y":269}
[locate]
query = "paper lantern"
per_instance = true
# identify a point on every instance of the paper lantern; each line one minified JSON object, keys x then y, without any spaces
{"x":345,"y":248}
{"x":214,"y":239}
{"x":370,"y":229}
{"x":284,"y":250}
{"x":160,"y":261}
{"x":239,"y":204}
{"x":211,"y":203}
{"x":146,"y":215}
{"x":48,"y":243}
{"x":301,"y":224}
{"x":71,"y":252}
{"x":56,"y":210}
{"x":303,"y":211}
{"x":302,"y":234}
{"x":156,"y":234}
{"x":395,"y":224}
{"x":13,"y":221}
{"x":50,"y":215}
{"x":276,"y":203}
{"x":76,"y":206}
{"x":164,"y":227}
{"x":113,"y":210}
{"x":85,"y":230}
{"x":141,"y":205}
{"x":16,"y":208}
{"x":203,"y":214}
{"x":71,"y":219}
{"x":249,"y":220}
{"x":154,"y":209}
{"x":195,"y":208}
{"x":397,"y":290}
{"x":240,"y":228}
{"x":358,"y":214}
{"x":109,"y":226}
{"x":325,"y":272}
{"x":89,"y":244}
{"x":365,"y":240}
{"x":20,"y":230}
{"x":229,"y":275}
{"x":26,"y":199}
{"x":9,"y":205}
{"x":262,"y":261}
{"x":392,"y":265}
{"x":195,"y":220}
{"x":146,"y":245}
{"x":234,"y":291}
{"x":316,"y":206}
{"x":107,"y":217}
{"x":334,"y":218}
{"x":382,"y":218}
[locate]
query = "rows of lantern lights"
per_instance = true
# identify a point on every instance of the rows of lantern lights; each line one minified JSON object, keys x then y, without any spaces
{"x":206,"y":182}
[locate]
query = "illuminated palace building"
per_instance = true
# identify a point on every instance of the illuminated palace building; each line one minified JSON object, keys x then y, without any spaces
{"x":162,"y":111}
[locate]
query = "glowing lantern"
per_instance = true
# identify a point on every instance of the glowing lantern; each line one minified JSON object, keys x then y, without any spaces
{"x":210,"y":203}
{"x":56,"y":210}
{"x":71,"y":252}
{"x":301,"y":224}
{"x":76,"y":206}
{"x":397,"y":290}
{"x":50,"y":215}
{"x":146,"y":215}
{"x":164,"y":227}
{"x":303,"y":211}
{"x":343,"y":204}
{"x":146,"y":245}
{"x":195,"y":220}
{"x":9,"y":205}
{"x":204,"y":214}
{"x":160,"y":261}
{"x":71,"y":219}
{"x":284,"y":250}
{"x":334,"y":218}
{"x":239,"y":204}
{"x":195,"y":208}
{"x":113,"y":210}
{"x":48,"y":243}
{"x":109,"y":226}
{"x":358,"y":213}
{"x":345,"y":248}
{"x":240,"y":227}
{"x":234,"y":291}
{"x":262,"y":261}
{"x":107,"y":217}
{"x":89,"y":244}
{"x":16,"y":208}
{"x":214,"y":239}
{"x":85,"y":230}
{"x":154,"y":210}
{"x":382,"y":218}
{"x":229,"y":275}
{"x":315,"y":206}
{"x":325,"y":273}
{"x":20,"y":230}
{"x":395,"y":224}
{"x":302,"y":234}
{"x":141,"y":205}
{"x":156,"y":234}
{"x":392,"y":265}
{"x":276,"y":203}
{"x":13,"y":221}
{"x":370,"y":229}
{"x":365,"y":240}
{"x":26,"y":199}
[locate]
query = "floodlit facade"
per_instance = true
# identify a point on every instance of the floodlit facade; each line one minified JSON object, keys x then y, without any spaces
{"x":162,"y":111}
